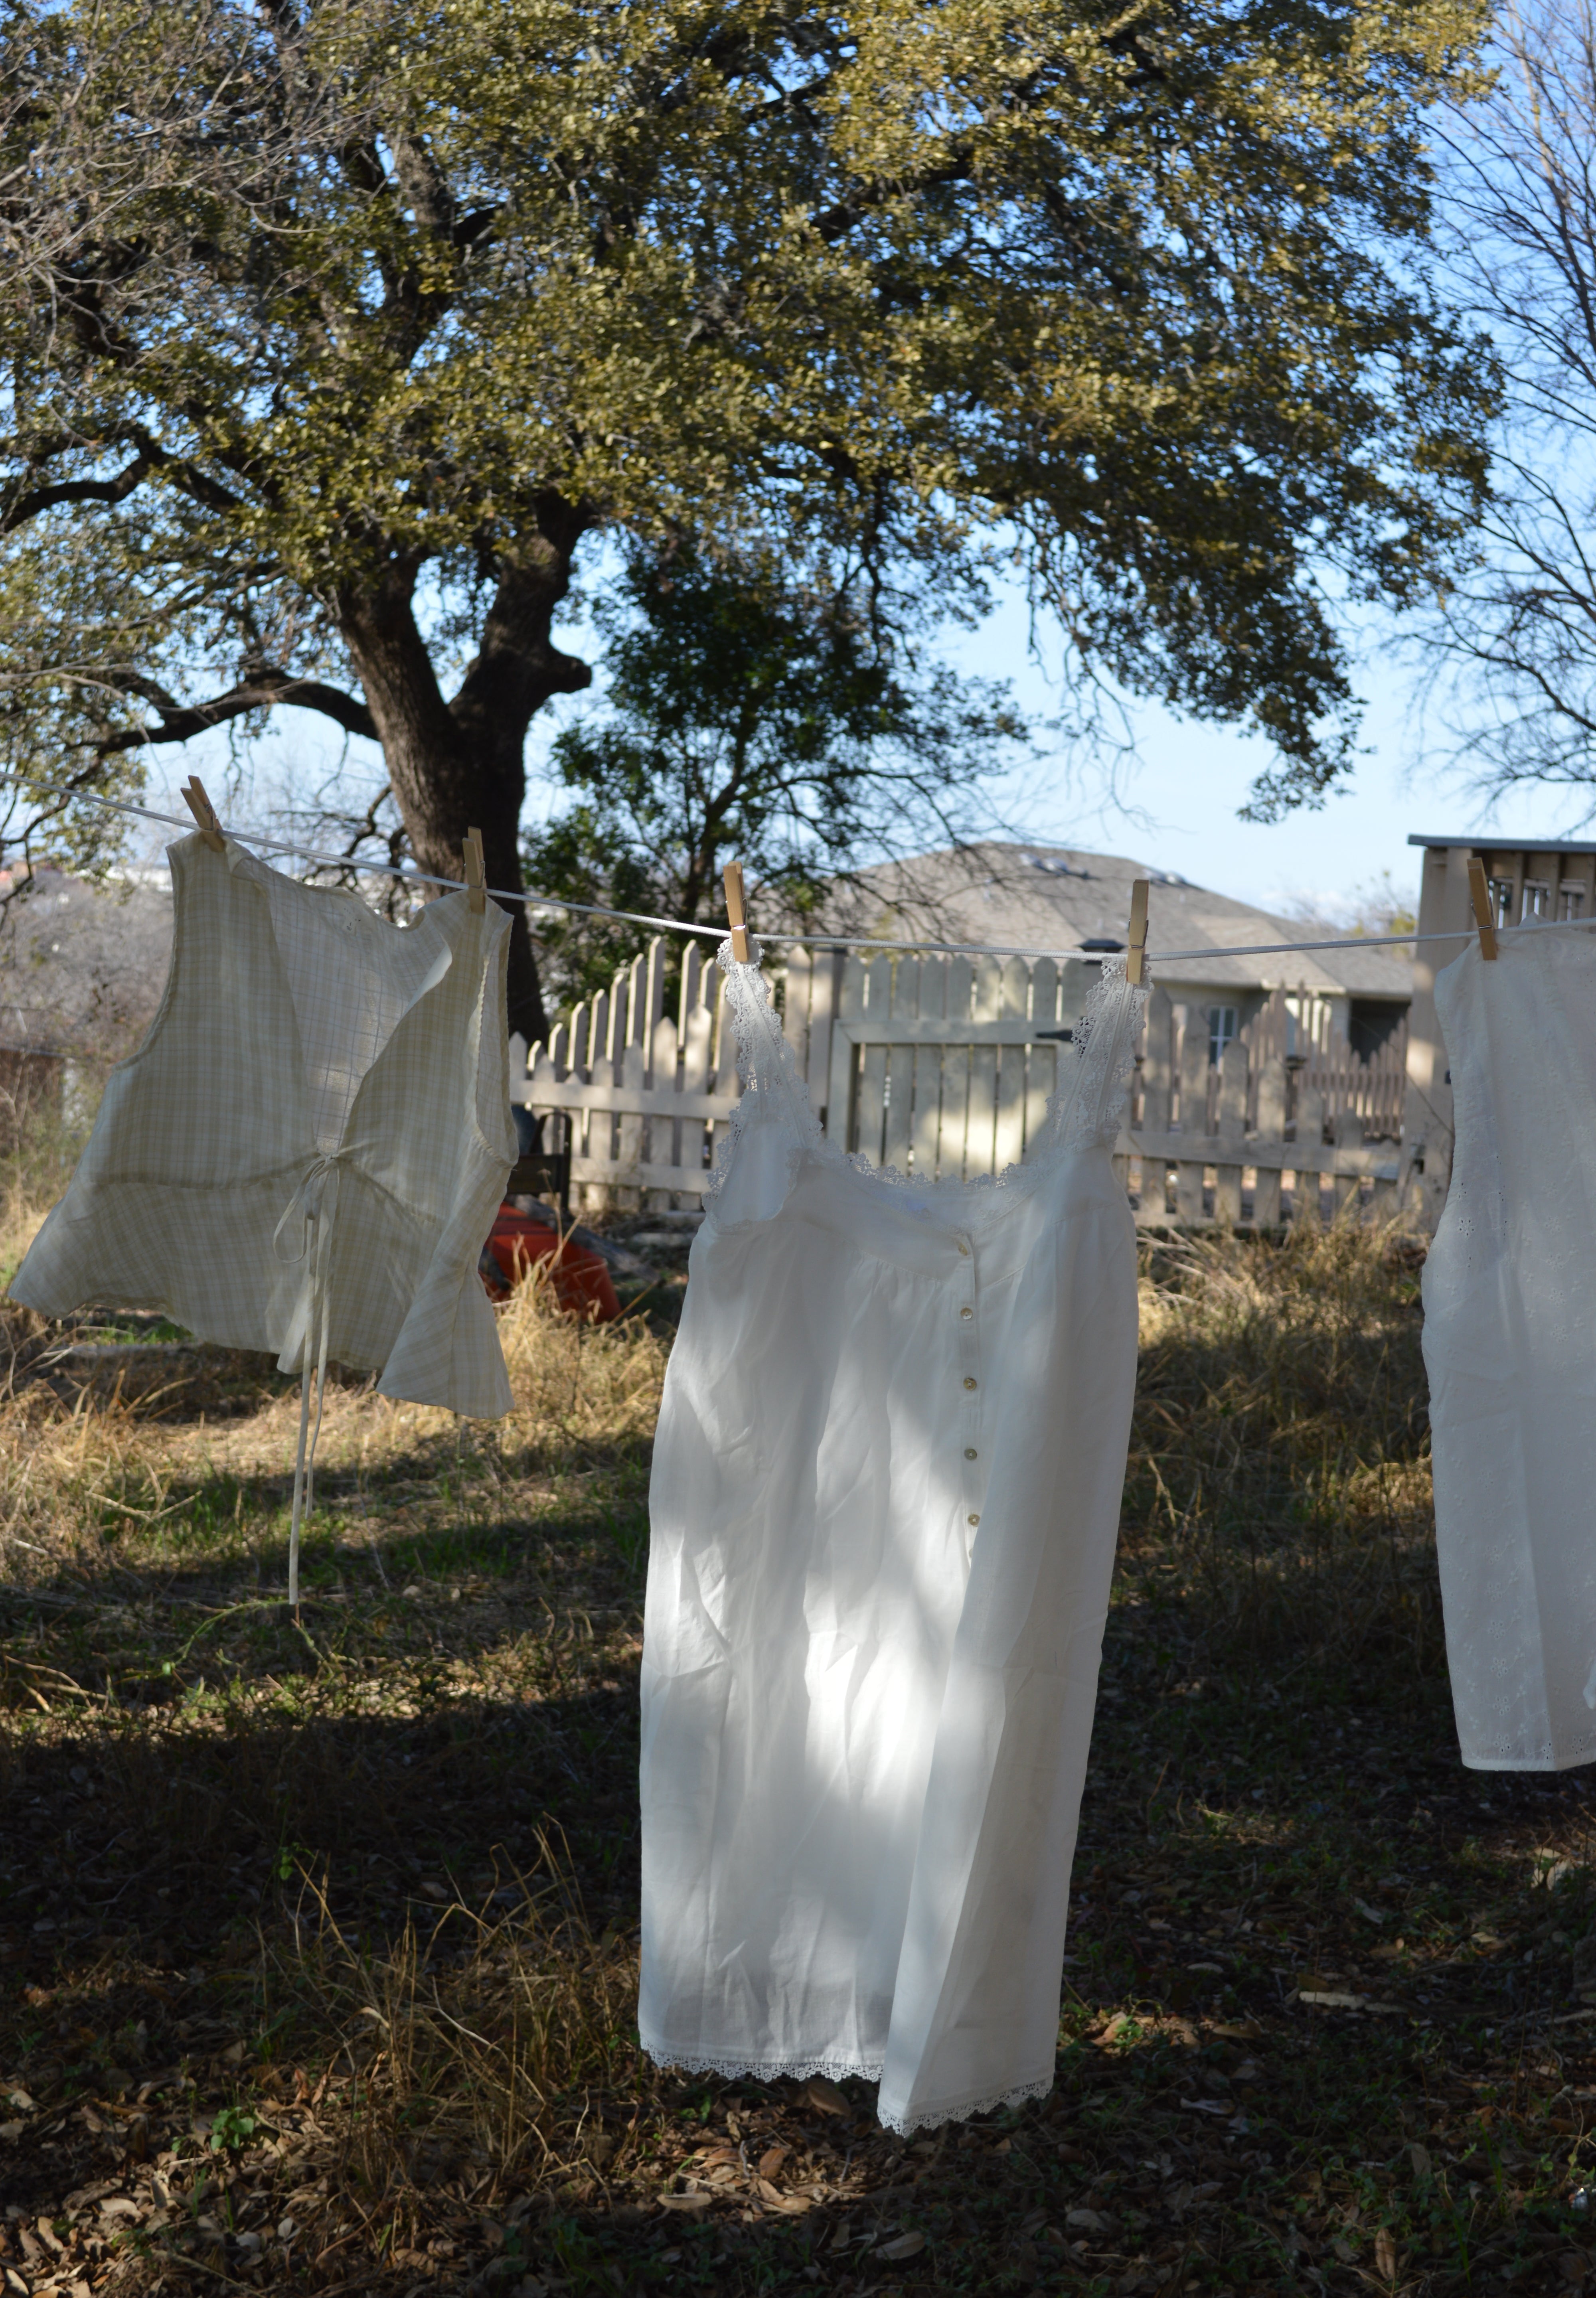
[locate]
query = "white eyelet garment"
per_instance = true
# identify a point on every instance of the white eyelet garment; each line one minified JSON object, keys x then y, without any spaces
{"x":885,"y":1497}
{"x":1508,"y":1290}
{"x":308,"y":1150}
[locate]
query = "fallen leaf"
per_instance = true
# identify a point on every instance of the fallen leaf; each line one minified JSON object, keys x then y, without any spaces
{"x":685,"y":2202}
{"x":825,"y":2096}
{"x":1386,"y":2253}
{"x":1372,"y":1915}
{"x":1336,"y":1998}
{"x":1419,"y":2156}
{"x":1086,"y":2221}
{"x":1237,"y":2031}
{"x":771,"y":2160}
{"x":906,"y":2246}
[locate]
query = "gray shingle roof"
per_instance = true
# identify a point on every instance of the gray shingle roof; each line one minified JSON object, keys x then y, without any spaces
{"x":1058,"y":896}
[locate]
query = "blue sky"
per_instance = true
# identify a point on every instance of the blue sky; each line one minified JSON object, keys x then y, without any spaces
{"x":1181,"y":796}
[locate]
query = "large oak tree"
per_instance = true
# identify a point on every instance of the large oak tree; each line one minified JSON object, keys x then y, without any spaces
{"x":332,"y":328}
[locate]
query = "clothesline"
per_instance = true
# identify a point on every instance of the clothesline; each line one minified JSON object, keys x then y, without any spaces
{"x":804,"y":941}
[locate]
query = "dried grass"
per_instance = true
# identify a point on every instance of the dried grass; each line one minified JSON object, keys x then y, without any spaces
{"x":436,"y":2000}
{"x":1279,"y":1477}
{"x":497,"y":2051}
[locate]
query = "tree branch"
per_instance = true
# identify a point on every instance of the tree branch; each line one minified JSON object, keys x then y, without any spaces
{"x":35,"y":501}
{"x":835,"y":222}
{"x":264,"y":690}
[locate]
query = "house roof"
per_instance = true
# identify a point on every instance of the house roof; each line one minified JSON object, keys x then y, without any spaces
{"x":1058,"y":896}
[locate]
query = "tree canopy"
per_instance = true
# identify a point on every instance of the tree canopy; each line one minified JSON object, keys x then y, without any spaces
{"x":749,"y":715}
{"x":331,"y":329}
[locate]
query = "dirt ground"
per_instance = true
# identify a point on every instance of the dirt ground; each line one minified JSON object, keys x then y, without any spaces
{"x":317,"y":1943}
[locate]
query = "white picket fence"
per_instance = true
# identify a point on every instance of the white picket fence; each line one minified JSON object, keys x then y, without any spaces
{"x":943,"y":1065}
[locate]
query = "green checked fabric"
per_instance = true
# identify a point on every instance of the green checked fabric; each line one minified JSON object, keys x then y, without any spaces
{"x":309,"y":1149}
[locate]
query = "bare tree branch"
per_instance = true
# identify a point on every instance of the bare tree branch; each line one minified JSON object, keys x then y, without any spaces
{"x":264,"y":690}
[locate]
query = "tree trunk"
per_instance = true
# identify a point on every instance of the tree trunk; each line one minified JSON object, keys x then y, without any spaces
{"x":460,"y":764}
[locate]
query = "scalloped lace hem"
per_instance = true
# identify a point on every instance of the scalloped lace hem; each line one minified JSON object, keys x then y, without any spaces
{"x":930,"y":2116}
{"x":837,"y":2067}
{"x":833,"y":2065}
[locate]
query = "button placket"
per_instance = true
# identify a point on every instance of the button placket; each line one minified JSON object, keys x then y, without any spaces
{"x":973,"y":1465}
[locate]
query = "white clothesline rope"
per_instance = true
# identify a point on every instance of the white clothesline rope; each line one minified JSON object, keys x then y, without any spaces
{"x":804,"y":941}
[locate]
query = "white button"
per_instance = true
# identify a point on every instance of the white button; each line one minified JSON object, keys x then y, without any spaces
{"x":972,"y":1519}
{"x":969,"y":1451}
{"x":966,"y":1314}
{"x":969,"y":1382}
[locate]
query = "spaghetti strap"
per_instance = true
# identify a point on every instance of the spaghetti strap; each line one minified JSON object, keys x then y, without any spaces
{"x":1086,"y":1109}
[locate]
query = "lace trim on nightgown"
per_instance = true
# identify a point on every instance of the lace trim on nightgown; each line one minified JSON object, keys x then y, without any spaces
{"x":836,"y":2068}
{"x":1084,"y":1108}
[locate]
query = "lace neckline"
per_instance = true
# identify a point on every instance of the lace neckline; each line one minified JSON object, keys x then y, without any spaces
{"x":1083,"y":1110}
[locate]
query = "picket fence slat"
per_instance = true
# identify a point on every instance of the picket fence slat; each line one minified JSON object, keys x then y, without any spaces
{"x":943,"y":1067}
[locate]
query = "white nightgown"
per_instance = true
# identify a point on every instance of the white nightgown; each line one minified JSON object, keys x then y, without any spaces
{"x":885,"y":1498}
{"x":1508,"y":1349}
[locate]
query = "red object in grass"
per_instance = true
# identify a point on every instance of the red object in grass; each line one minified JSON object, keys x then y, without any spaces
{"x":518,"y":1242}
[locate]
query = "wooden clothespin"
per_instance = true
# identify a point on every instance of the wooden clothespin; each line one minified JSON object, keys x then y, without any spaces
{"x":1479,"y":894}
{"x":204,"y":814}
{"x":736,"y":915}
{"x":476,"y":873}
{"x":1136,"y":939}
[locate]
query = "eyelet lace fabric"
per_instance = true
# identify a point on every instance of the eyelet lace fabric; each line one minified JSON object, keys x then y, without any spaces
{"x":884,"y":1502}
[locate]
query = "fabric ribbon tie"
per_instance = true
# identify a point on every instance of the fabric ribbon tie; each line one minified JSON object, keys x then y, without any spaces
{"x":316,"y":1202}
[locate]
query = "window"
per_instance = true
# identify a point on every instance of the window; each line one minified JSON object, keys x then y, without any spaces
{"x":1221,"y":1032}
{"x":1535,"y":902}
{"x":1571,"y":901}
{"x":1373,"y":1023}
{"x":1502,"y":899}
